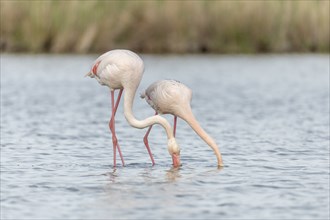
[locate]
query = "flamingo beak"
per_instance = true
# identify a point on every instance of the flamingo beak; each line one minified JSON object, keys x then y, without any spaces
{"x":176,"y":160}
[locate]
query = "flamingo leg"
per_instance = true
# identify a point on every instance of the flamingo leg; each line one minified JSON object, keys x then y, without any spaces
{"x":174,"y":127}
{"x":114,"y":108}
{"x":146,"y":143}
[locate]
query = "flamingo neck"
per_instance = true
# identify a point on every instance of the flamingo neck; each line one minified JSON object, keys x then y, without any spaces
{"x":193,"y":123}
{"x":128,"y":112}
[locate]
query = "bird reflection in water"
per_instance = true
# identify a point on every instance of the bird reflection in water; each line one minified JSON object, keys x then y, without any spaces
{"x":112,"y":175}
{"x":173,"y":174}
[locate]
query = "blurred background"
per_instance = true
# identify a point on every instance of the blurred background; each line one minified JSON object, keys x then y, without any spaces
{"x":165,"y":26}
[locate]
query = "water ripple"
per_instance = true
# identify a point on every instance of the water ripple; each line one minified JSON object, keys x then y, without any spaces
{"x":267,"y":113}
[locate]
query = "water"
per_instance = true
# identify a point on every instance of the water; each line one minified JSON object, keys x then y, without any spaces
{"x":269,"y":115}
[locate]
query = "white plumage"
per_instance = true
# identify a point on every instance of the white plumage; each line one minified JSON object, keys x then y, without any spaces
{"x":168,"y":97}
{"x":173,"y":97}
{"x":123,"y":70}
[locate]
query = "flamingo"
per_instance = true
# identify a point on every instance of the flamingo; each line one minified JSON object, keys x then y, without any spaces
{"x":173,"y":97}
{"x":122,"y":70}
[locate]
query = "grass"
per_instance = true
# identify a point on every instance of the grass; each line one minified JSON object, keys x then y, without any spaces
{"x":165,"y":26}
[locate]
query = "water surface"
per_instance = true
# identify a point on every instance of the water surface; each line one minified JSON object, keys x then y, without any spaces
{"x":269,"y":115}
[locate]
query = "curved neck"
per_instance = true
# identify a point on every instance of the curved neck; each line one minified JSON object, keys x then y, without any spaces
{"x":193,"y":123}
{"x":128,"y":112}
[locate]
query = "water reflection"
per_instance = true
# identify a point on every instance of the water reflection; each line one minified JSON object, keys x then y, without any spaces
{"x":173,"y":174}
{"x":112,"y":175}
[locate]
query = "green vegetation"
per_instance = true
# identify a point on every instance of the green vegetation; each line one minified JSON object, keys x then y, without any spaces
{"x":165,"y":26}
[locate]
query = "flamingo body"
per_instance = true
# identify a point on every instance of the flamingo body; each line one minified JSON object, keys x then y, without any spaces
{"x":123,"y":70}
{"x":173,"y":97}
{"x":117,"y":69}
{"x":168,"y":97}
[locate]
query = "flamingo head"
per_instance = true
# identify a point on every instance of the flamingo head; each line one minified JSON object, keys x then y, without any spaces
{"x":174,"y":150}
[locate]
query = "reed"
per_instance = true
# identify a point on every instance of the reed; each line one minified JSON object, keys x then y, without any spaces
{"x":165,"y":26}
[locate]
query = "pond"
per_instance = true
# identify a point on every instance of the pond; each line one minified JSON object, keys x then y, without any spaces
{"x":269,"y":114}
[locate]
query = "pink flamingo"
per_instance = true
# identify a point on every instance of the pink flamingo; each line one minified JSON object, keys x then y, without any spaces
{"x":172,"y":97}
{"x":123,"y":70}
